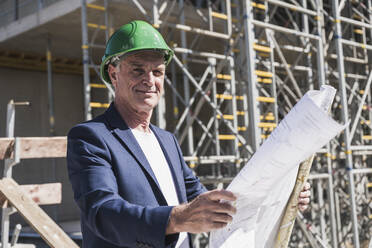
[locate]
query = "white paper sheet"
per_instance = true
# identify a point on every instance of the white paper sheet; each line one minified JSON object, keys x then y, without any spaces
{"x":265,"y":183}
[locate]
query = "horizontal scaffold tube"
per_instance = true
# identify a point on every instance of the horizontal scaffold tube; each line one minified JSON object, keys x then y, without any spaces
{"x":201,"y":54}
{"x":357,"y":23}
{"x":357,"y":44}
{"x":196,"y":30}
{"x":292,"y":7}
{"x":284,"y":30}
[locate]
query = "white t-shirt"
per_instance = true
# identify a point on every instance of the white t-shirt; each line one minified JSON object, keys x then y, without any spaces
{"x":155,"y":156}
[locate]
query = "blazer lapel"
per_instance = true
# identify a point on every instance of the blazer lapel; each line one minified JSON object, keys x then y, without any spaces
{"x":123,"y":132}
{"x":173,"y":160}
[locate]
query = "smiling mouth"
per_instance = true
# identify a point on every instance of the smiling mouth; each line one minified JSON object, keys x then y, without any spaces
{"x":146,"y":91}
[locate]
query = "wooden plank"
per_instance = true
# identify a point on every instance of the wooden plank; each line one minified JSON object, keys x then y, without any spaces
{"x":6,"y":147}
{"x":44,"y":194}
{"x":52,"y":234}
{"x":3,"y":201}
{"x":43,"y":147}
{"x":41,"y":194}
{"x":34,"y":147}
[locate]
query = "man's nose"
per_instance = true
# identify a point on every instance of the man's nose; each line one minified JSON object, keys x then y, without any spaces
{"x":149,"y":79}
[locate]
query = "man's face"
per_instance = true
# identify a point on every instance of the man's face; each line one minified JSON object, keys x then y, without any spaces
{"x":139,"y":81}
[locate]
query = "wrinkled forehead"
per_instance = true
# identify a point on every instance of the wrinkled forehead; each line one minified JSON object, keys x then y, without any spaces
{"x":144,"y":57}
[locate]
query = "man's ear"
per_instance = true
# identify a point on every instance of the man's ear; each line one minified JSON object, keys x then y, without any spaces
{"x":112,"y":73}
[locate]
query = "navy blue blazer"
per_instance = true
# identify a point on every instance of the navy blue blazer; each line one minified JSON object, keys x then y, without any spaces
{"x":119,"y":197}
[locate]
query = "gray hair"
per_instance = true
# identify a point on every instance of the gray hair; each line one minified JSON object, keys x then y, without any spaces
{"x":116,"y":61}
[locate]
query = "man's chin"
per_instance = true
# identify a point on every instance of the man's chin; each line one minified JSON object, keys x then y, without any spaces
{"x":147,"y":106}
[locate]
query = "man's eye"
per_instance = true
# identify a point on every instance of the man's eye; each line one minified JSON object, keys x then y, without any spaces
{"x":158,"y":73}
{"x":138,"y":70}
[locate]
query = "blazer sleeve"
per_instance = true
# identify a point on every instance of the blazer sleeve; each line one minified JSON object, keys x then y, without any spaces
{"x":192,"y":183}
{"x":107,"y":214}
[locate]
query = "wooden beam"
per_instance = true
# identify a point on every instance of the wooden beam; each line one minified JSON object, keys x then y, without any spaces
{"x":44,"y":194}
{"x":52,"y":234}
{"x":41,"y":194}
{"x":6,"y":147}
{"x":3,"y":201}
{"x":34,"y":147}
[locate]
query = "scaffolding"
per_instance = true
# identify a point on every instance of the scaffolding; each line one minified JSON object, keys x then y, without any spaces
{"x":239,"y":67}
{"x":263,"y":56}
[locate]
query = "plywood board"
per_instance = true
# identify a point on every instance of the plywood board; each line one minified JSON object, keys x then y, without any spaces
{"x":34,"y":147}
{"x":52,"y":234}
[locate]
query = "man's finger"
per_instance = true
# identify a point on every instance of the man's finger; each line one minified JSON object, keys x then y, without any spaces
{"x":303,"y":207}
{"x":306,"y":186}
{"x":225,"y":207}
{"x":305,"y":194}
{"x":219,"y":217}
{"x":218,"y":225}
{"x":305,"y":201}
{"x":221,"y":194}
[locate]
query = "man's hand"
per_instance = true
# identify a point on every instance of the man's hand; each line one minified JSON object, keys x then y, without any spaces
{"x":203,"y":214}
{"x":304,"y":198}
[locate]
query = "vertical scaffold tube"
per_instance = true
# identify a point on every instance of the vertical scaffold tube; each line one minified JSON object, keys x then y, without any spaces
{"x":254,"y":114}
{"x":345,"y":117}
{"x":50,"y":86}
{"x":190,"y":136}
{"x":85,"y":47}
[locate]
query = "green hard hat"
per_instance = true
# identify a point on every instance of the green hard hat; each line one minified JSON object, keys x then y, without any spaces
{"x":134,"y":36}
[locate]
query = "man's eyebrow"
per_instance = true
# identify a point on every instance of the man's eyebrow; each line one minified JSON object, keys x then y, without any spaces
{"x":138,"y":64}
{"x":135,"y":63}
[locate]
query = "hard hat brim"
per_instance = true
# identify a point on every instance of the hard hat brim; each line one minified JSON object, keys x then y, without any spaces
{"x":168,"y":55}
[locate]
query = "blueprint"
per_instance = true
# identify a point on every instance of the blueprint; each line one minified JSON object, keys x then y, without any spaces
{"x":265,"y":183}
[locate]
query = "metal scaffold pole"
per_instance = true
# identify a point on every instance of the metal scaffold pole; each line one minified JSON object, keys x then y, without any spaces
{"x":345,"y":117}
{"x":254,"y":113}
{"x":323,"y":79}
{"x":86,"y":74}
{"x":186,"y":86}
{"x":160,"y":109}
{"x":50,"y":87}
{"x":7,"y":209}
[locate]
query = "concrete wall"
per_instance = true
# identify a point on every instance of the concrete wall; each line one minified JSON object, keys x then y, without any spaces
{"x":8,"y":9}
{"x":33,"y":121}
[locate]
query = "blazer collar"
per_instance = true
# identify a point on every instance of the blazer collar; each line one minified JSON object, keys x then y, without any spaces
{"x":121,"y":129}
{"x":172,"y":159}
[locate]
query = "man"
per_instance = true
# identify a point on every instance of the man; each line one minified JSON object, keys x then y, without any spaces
{"x":129,"y":177}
